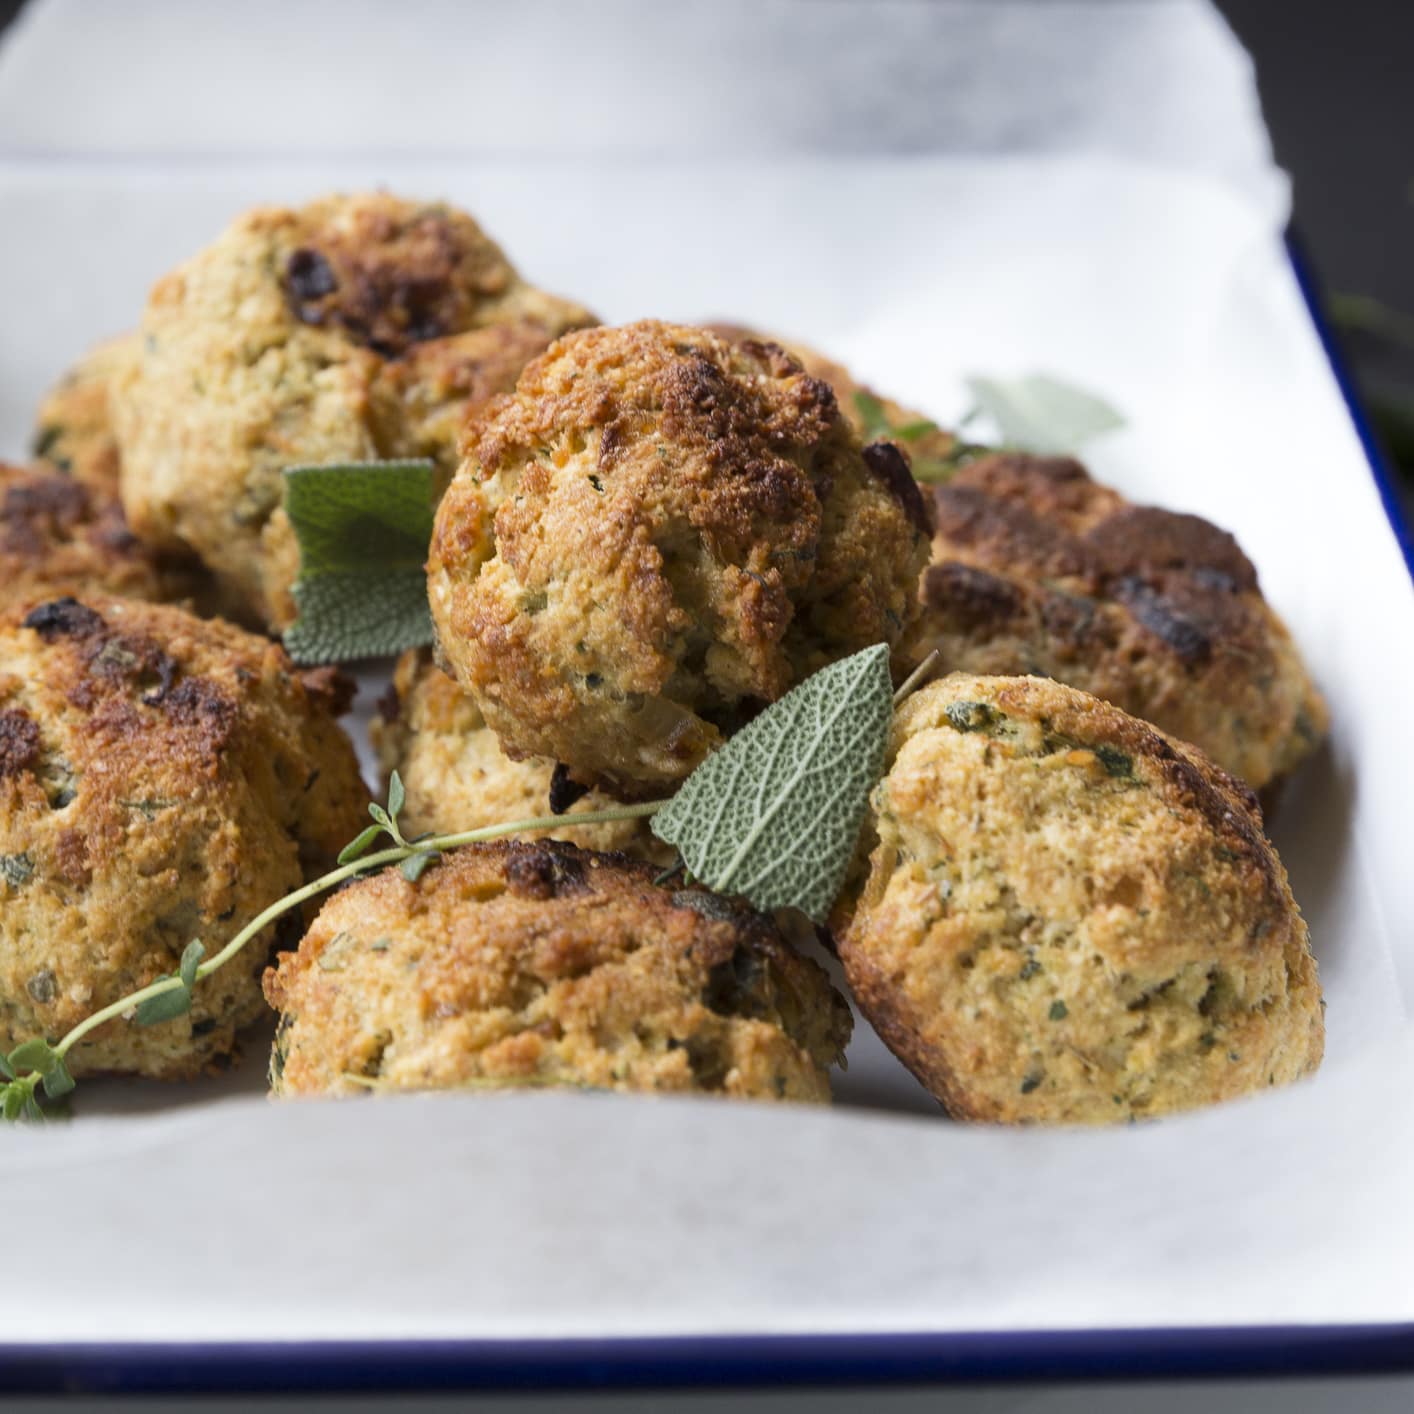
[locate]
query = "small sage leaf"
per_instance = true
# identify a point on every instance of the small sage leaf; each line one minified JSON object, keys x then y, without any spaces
{"x":6,"y":1069}
{"x":191,"y":960}
{"x":15,"y":1097}
{"x":32,"y":1109}
{"x":358,"y":846}
{"x":165,"y":1006}
{"x":774,"y":815}
{"x":363,"y":530}
{"x":1042,"y":414}
{"x":381,"y":816}
{"x":396,"y":795}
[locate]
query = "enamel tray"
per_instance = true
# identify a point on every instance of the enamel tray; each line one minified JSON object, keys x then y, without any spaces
{"x":205,"y":1239}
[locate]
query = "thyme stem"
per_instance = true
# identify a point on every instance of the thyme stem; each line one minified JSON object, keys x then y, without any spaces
{"x":431,"y":845}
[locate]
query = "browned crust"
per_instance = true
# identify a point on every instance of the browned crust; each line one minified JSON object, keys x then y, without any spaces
{"x":692,"y":522}
{"x":950,"y":891}
{"x":1039,"y":569}
{"x":57,"y":534}
{"x":163,"y":778}
{"x":498,"y":928}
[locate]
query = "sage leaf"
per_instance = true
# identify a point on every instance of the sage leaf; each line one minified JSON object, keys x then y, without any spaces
{"x":6,"y":1069}
{"x":775,"y":813}
{"x":1039,"y":413}
{"x":363,"y":530}
{"x":396,"y":795}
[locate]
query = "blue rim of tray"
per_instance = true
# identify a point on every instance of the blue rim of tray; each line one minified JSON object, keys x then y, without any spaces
{"x":701,"y":1362}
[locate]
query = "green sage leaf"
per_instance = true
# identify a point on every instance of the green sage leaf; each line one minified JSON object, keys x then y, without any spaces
{"x":774,"y":815}
{"x":363,"y":530}
{"x":1039,"y":413}
{"x":396,"y":795}
{"x":15,"y":1096}
{"x":6,"y":1069}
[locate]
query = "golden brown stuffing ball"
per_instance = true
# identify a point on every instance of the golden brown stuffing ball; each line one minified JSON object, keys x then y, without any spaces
{"x":162,"y":778}
{"x":1037,"y":569}
{"x":1072,"y":918}
{"x":658,"y":533}
{"x":457,"y":777}
{"x":525,"y":964}
{"x":74,"y":427}
{"x":872,"y":414}
{"x":60,"y":536}
{"x":356,"y":327}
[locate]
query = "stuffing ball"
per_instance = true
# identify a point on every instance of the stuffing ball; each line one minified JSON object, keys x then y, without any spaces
{"x":60,"y":536}
{"x":1072,"y":918}
{"x":457,"y":777}
{"x":161,"y":779}
{"x":872,"y":414}
{"x":356,"y":327}
{"x":543,"y":964}
{"x":1037,"y":569}
{"x":656,"y":535}
{"x":74,"y":428}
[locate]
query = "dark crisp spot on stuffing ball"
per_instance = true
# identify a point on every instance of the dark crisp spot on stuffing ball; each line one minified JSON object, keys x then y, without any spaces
{"x":732,"y":985}
{"x":390,"y":705}
{"x":546,"y":870}
{"x":564,"y":791}
{"x":708,"y":905}
{"x":62,"y":617}
{"x":891,"y":467}
{"x":973,"y":596}
{"x":19,"y":742}
{"x":1158,"y":614}
{"x":308,"y":276}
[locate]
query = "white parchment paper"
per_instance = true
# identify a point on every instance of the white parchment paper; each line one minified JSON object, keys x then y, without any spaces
{"x":1112,"y":218}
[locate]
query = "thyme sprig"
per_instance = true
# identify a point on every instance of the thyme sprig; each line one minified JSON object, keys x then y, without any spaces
{"x":772,"y":815}
{"x":39,"y":1063}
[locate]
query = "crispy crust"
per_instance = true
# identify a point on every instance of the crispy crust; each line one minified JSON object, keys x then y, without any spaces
{"x":457,"y":777}
{"x":352,"y":328}
{"x":854,"y":397}
{"x":59,"y":535}
{"x":1070,"y":917}
{"x":1038,"y":569}
{"x":658,"y":533}
{"x":539,"y":963}
{"x":161,"y":778}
